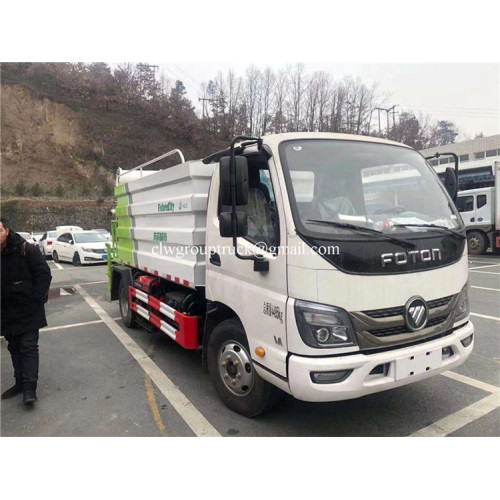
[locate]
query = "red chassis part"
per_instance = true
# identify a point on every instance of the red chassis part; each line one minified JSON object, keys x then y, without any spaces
{"x":186,"y":330}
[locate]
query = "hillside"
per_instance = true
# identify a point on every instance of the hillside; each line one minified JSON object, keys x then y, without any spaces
{"x":59,"y":143}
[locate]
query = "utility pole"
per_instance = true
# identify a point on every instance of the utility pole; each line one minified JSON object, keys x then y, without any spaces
{"x":379,"y":128}
{"x":387,"y":113}
{"x":203,"y":105}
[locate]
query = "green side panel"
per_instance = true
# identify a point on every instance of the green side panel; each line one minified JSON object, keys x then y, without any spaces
{"x":119,"y":190}
{"x":122,"y":239}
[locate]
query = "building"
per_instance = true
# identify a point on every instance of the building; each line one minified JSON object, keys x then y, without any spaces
{"x":477,"y":158}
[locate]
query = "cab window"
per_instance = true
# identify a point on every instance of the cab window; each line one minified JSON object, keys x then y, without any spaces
{"x":481,"y":200}
{"x":263,"y":220}
{"x":465,"y":203}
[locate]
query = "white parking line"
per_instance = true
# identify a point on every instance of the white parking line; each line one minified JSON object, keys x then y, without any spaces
{"x":471,"y":381}
{"x":486,"y":288}
{"x":484,"y":272}
{"x":482,"y":267}
{"x":193,"y":418}
{"x":59,"y":267}
{"x":91,"y":283}
{"x":485,"y":316}
{"x":73,"y":325}
{"x":461,"y":418}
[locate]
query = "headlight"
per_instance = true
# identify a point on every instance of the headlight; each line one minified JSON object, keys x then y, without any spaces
{"x":462,"y":310}
{"x":323,"y":326}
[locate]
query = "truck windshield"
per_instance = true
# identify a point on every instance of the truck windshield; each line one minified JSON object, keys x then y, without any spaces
{"x":383,"y":187}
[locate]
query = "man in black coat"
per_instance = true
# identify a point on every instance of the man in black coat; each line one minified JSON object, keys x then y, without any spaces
{"x":25,"y":283}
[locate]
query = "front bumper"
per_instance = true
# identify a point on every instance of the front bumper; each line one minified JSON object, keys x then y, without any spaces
{"x":93,"y":258}
{"x":402,"y":366}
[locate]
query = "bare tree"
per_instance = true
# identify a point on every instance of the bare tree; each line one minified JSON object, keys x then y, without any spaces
{"x":298,"y":86}
{"x":267,"y":94}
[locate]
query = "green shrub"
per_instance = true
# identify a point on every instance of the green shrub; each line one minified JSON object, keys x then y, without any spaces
{"x":59,"y":192}
{"x":107,"y":189}
{"x":20,"y":188}
{"x":36,"y":190}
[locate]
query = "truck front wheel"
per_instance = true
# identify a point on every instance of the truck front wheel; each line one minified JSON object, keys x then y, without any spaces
{"x":126,"y":313}
{"x":477,"y":242}
{"x":230,"y":366}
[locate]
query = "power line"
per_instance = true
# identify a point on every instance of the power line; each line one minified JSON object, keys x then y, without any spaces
{"x":176,"y":77}
{"x":186,"y":83}
{"x":184,"y":73}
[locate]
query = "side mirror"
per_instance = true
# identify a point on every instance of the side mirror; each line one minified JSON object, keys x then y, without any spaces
{"x":71,"y":242}
{"x":226,"y":226}
{"x":241,"y":173}
{"x":450,"y":182}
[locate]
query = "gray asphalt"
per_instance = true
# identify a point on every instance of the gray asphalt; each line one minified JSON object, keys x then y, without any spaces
{"x":91,"y":386}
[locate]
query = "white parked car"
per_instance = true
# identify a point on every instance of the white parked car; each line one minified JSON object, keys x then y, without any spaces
{"x":27,"y":237}
{"x":46,"y":243}
{"x":105,"y":232}
{"x":37,"y":235}
{"x":80,"y":247}
{"x":63,"y":229}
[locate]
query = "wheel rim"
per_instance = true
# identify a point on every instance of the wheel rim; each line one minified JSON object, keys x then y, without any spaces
{"x":474,"y":243}
{"x":235,"y":368}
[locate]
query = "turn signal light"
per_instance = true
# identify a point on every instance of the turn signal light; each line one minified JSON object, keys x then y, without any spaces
{"x":260,"y":352}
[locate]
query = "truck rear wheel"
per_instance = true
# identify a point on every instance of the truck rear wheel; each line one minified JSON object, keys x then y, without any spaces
{"x":477,"y":242}
{"x":128,"y":316}
{"x":230,"y":366}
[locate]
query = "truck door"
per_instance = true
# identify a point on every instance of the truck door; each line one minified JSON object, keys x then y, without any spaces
{"x":484,"y":208}
{"x":465,"y":205}
{"x":257,"y":298}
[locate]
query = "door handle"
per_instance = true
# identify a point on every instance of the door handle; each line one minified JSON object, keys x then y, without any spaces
{"x":472,"y":219}
{"x":480,"y":219}
{"x":214,"y":258}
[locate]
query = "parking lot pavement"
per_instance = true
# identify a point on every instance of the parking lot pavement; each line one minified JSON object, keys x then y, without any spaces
{"x":99,"y":378}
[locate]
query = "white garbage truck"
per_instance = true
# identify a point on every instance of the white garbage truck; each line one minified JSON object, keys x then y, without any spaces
{"x":326,"y":266}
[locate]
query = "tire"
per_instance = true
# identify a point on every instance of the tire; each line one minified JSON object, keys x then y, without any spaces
{"x":477,"y":242}
{"x":42,"y":251}
{"x":55,"y":257}
{"x":128,"y":316}
{"x":247,"y":394}
{"x":76,"y":259}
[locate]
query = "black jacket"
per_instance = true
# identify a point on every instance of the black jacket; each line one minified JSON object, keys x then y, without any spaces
{"x":25,"y":282}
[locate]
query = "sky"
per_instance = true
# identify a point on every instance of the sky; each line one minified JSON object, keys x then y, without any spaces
{"x":465,"y":93}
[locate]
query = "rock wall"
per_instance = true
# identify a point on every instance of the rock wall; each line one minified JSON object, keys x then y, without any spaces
{"x":44,"y":215}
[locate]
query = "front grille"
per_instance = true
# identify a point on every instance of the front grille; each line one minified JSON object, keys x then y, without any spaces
{"x":399,"y":311}
{"x":99,"y":250}
{"x":385,"y":313}
{"x":439,"y":302}
{"x":395,"y":330}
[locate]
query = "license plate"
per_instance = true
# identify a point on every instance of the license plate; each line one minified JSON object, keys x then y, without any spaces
{"x":104,"y":256}
{"x":415,"y":364}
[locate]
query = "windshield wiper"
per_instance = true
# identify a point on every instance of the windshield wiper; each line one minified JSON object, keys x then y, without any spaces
{"x":434,"y":226}
{"x":369,"y":230}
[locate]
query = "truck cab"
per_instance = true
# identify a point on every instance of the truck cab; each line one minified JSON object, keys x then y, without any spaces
{"x":335,"y":266}
{"x":477,"y":208}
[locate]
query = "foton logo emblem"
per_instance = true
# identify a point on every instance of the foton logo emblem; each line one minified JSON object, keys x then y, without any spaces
{"x":403,"y":258}
{"x":416,"y":313}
